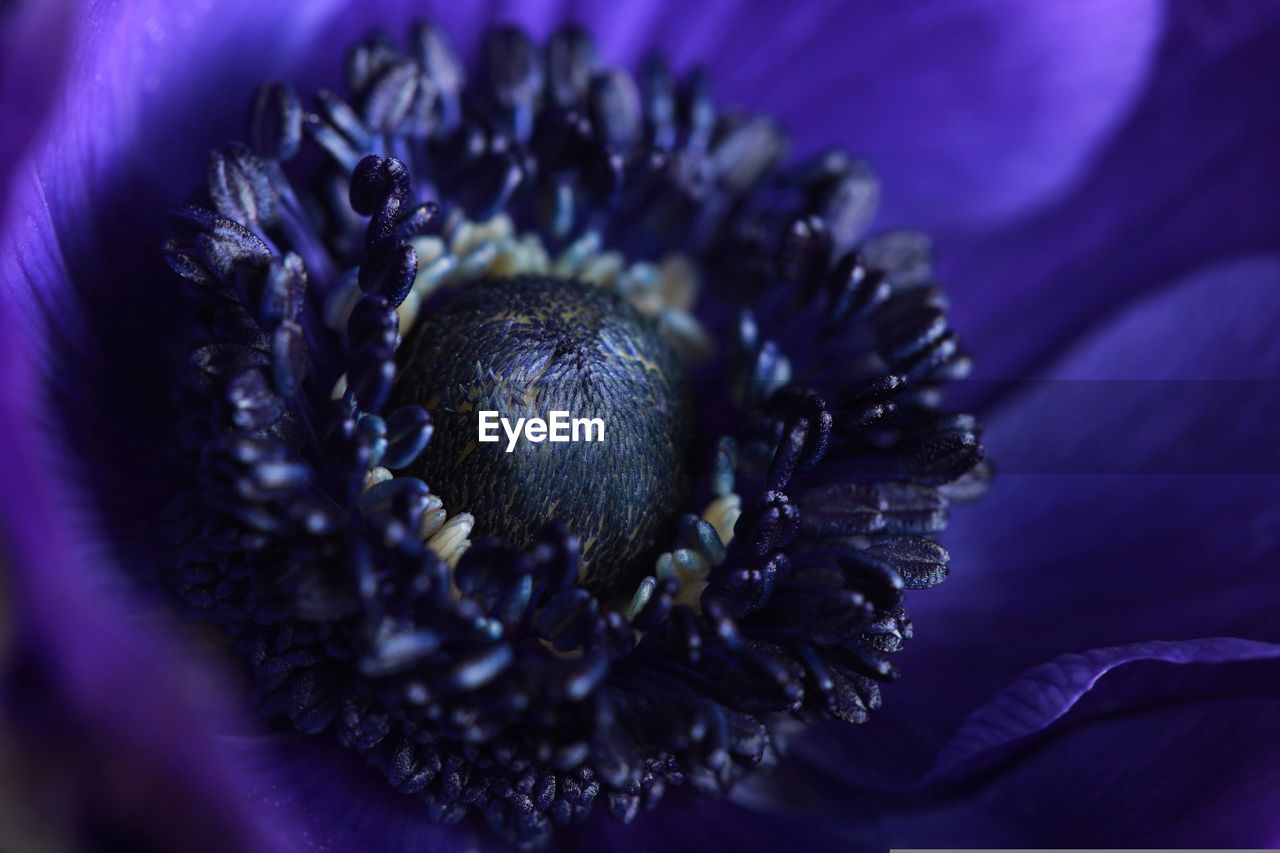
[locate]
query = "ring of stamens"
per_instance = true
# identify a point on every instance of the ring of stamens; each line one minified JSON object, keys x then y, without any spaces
{"x":473,"y":674}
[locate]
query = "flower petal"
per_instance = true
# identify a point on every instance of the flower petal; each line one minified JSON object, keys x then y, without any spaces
{"x":79,"y":259}
{"x":126,"y":719}
{"x":1123,"y":758}
{"x":93,"y":694}
{"x":1111,"y":747}
{"x":971,"y":112}
{"x":145,"y":81}
{"x":1188,"y":179}
{"x":1045,"y":694}
{"x":338,"y":802}
{"x":1181,"y":386}
{"x":34,"y":42}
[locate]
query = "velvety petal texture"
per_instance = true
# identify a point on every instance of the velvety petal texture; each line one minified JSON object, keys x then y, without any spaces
{"x":93,"y":686}
{"x":1044,"y":695}
{"x":1188,"y":179}
{"x":1150,"y":755}
{"x":334,"y":801}
{"x":928,"y":93}
{"x":108,"y":720}
{"x":1154,"y":544}
{"x":1148,"y":745}
{"x":34,"y":41}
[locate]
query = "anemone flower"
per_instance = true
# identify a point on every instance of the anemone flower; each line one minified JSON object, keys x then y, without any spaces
{"x":817,"y":584}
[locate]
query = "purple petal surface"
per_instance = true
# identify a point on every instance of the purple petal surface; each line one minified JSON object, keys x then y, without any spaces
{"x":34,"y":42}
{"x":971,"y":112}
{"x":112,"y":719}
{"x":1189,"y":178}
{"x":1151,"y":744}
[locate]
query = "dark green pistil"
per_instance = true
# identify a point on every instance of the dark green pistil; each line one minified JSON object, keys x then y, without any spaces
{"x":526,"y":347}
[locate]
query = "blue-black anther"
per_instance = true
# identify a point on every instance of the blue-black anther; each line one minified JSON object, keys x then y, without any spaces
{"x":290,"y":362}
{"x":373,"y":370}
{"x":769,"y":523}
{"x":430,"y":48}
{"x":742,"y":157}
{"x":390,"y":274}
{"x":480,"y":668}
{"x":805,"y":251}
{"x":905,"y":258}
{"x":513,"y":68}
{"x":571,"y":61}
{"x":696,"y":110}
{"x":848,"y":203}
{"x":787,"y":455}
{"x":921,"y":562}
{"x":409,"y":429}
{"x":945,"y":455}
{"x":239,"y":186}
{"x":487,"y":184}
{"x":252,"y":402}
{"x":283,"y":290}
{"x":615,"y":110}
{"x":182,"y":262}
{"x":374,"y":323}
{"x":657,"y":93}
{"x":342,"y":151}
{"x":227,"y":244}
{"x":603,"y":168}
{"x":399,"y":651}
{"x":373,"y":431}
{"x":339,"y":115}
{"x":702,"y":537}
{"x":275,"y":121}
{"x":396,"y":98}
{"x":853,"y":290}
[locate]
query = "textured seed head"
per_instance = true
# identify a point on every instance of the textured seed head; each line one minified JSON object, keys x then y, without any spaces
{"x":529,"y":346}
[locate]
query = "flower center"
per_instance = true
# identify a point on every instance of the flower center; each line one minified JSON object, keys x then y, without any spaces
{"x":530,"y":347}
{"x":587,"y":227}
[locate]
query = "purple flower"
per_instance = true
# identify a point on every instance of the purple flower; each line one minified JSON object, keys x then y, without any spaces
{"x":1097,"y":183}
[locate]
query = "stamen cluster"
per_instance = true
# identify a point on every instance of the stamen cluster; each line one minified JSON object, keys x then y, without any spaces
{"x":483,"y":676}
